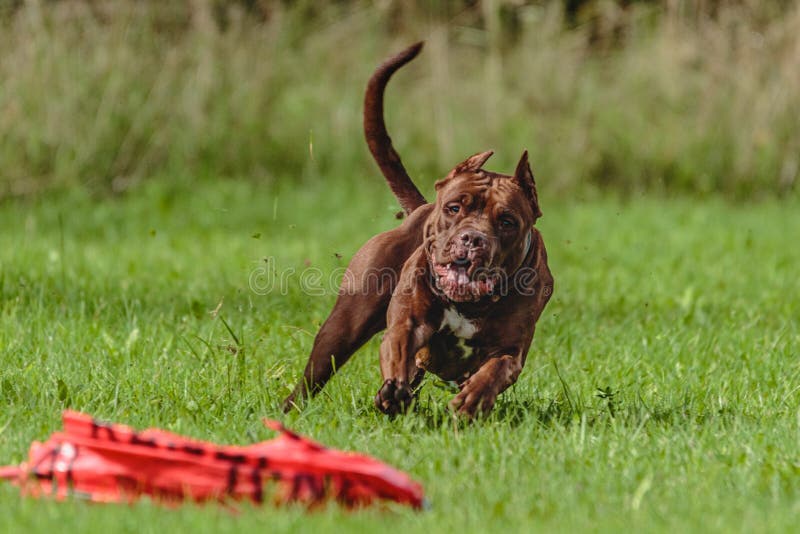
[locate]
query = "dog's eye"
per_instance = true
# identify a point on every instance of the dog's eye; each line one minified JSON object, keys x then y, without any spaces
{"x":507,"y":222}
{"x":454,"y":208}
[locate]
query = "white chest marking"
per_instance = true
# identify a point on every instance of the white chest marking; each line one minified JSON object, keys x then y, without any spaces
{"x":466,"y":350}
{"x":461,"y":327}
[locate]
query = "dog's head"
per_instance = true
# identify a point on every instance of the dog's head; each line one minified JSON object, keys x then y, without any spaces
{"x":479,"y":233}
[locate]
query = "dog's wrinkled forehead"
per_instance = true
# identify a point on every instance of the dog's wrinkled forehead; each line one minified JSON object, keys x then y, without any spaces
{"x":483,"y":189}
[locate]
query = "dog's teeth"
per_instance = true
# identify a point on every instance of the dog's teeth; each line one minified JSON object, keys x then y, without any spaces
{"x":463,"y":278}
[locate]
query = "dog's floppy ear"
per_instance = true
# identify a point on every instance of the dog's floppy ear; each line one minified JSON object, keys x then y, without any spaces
{"x":471,"y":164}
{"x":524,"y":176}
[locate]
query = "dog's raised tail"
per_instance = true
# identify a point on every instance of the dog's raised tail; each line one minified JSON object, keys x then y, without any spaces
{"x":378,"y":140}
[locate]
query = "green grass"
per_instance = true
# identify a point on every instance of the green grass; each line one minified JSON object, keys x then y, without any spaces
{"x":661,"y":392}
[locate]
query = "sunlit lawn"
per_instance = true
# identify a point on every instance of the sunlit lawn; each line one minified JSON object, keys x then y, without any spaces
{"x":661,"y":392}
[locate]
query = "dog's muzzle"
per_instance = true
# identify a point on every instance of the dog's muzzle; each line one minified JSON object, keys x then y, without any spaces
{"x":464,"y":277}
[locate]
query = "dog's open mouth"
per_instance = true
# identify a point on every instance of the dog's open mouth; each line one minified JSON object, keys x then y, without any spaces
{"x":460,"y":282}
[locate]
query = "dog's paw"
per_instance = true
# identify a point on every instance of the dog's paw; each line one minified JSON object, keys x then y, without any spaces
{"x":471,"y":401}
{"x":394,"y":397}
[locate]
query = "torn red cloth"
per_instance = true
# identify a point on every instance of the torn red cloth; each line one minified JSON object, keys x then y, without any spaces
{"x":110,"y":463}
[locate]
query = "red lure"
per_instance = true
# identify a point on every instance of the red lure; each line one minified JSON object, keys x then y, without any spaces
{"x":106,"y":462}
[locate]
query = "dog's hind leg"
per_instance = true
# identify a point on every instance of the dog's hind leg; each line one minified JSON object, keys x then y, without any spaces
{"x":360,"y":310}
{"x":353,"y":321}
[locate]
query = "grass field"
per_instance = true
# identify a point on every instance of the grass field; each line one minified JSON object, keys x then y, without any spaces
{"x":661,"y":392}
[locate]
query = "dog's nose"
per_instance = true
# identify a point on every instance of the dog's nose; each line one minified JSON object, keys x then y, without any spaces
{"x":472,"y":239}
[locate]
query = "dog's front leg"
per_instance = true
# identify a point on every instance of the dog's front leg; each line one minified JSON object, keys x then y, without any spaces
{"x":403,"y":339}
{"x":479,"y":392}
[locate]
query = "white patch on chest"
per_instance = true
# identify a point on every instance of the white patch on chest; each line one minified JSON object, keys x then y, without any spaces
{"x":461,"y":327}
{"x":466,"y":350}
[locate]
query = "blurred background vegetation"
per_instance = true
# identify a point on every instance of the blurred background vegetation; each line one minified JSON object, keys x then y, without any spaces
{"x":674,"y":96}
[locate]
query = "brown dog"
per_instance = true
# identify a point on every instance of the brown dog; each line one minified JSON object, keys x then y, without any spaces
{"x":458,"y":286}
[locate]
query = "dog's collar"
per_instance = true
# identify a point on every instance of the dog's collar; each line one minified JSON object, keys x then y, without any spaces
{"x":528,"y":241}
